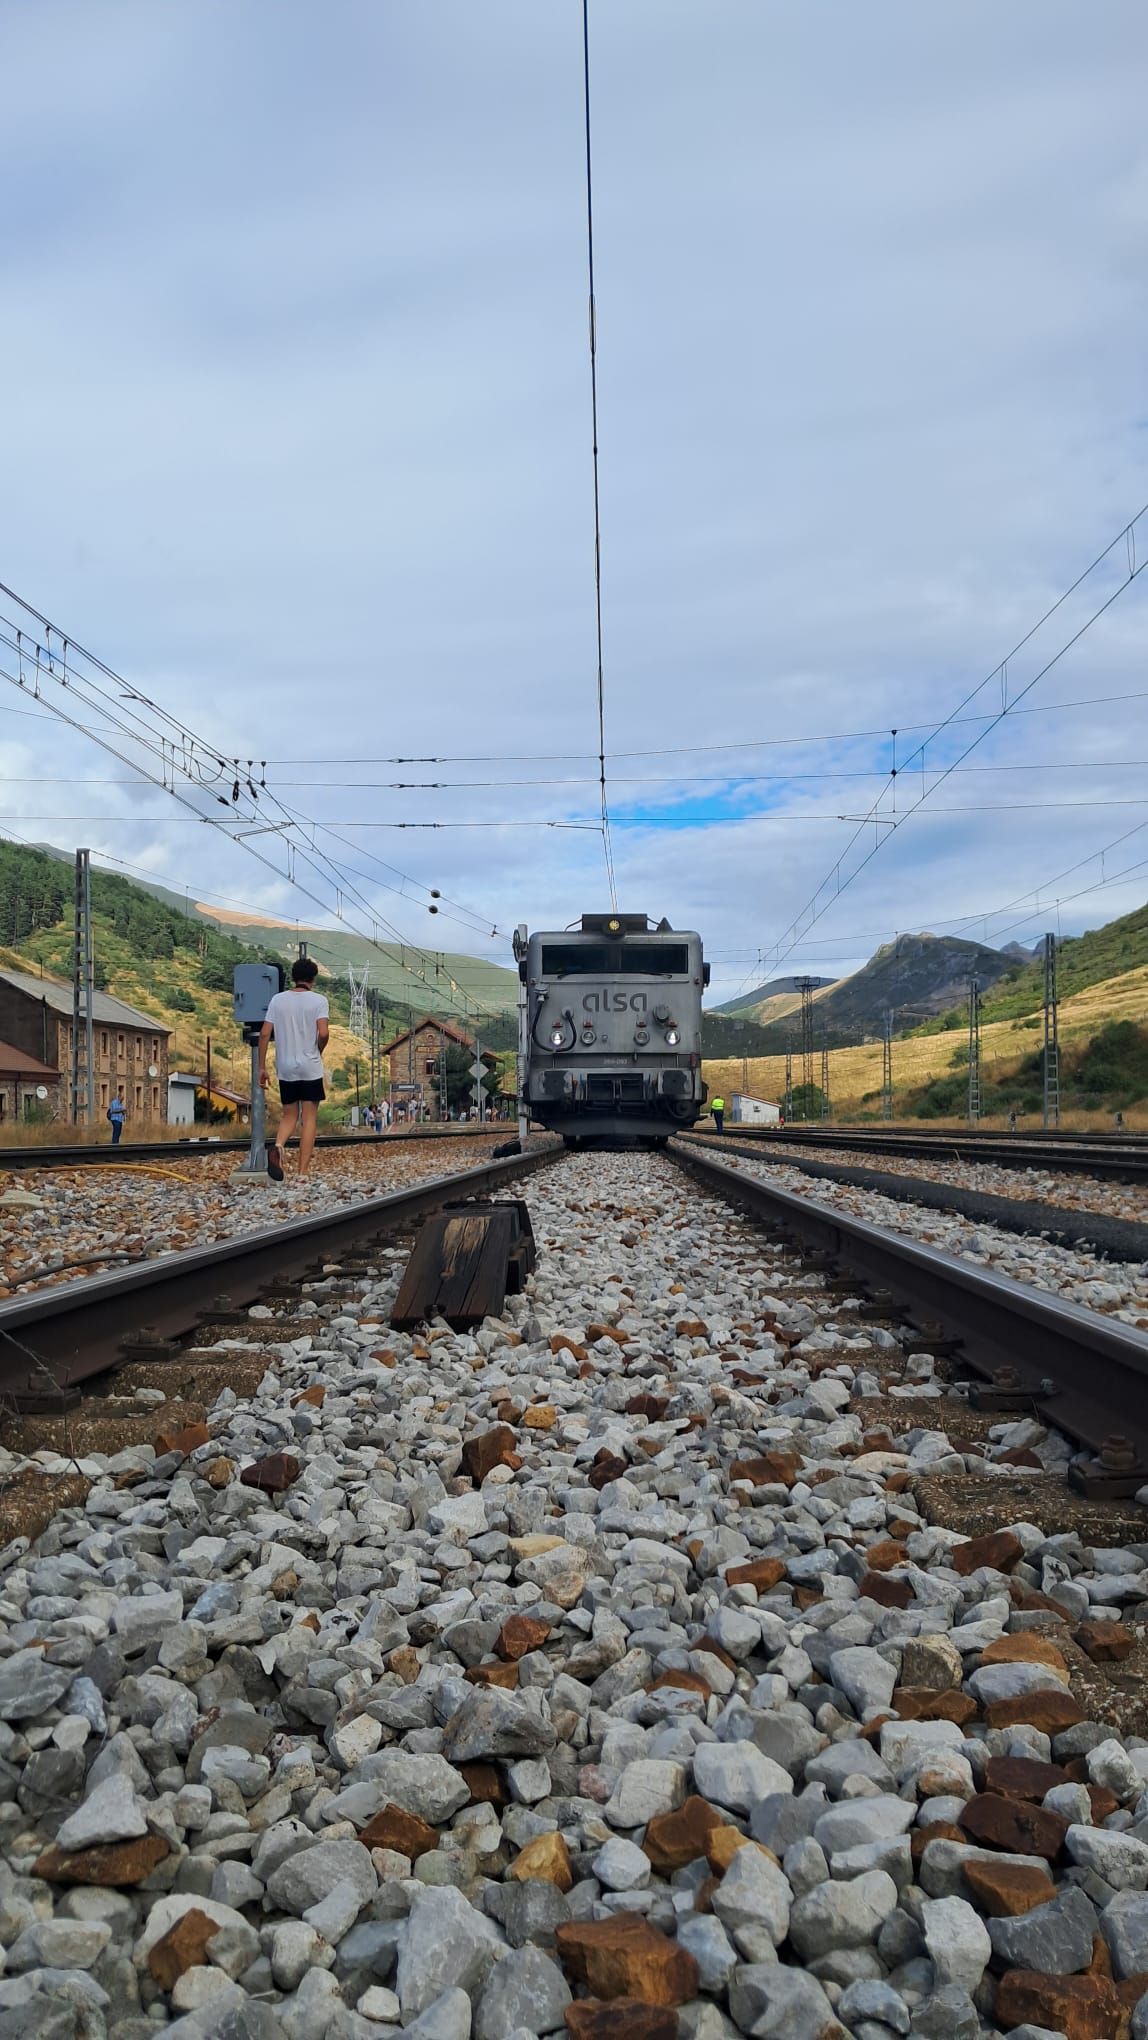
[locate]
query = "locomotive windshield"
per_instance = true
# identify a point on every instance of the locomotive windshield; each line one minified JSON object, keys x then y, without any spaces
{"x":628,"y":959}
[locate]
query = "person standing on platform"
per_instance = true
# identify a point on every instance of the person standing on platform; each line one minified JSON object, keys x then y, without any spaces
{"x":298,"y":1021}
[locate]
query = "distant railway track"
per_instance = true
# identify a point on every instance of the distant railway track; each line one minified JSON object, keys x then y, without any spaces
{"x":1118,"y":1239}
{"x":1121,"y":1158}
{"x":1083,"y":1373}
{"x":107,"y":1156}
{"x":56,"y":1338}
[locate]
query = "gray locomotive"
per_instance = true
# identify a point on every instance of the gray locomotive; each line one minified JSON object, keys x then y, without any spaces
{"x":611,"y":1048}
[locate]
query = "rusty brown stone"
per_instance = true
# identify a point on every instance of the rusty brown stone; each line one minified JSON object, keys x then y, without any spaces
{"x":315,"y":1396}
{"x":1017,"y":1455}
{"x":887,"y":1592}
{"x":184,"y":1946}
{"x":924,"y":1703}
{"x":1031,"y":1601}
{"x":1023,"y":1777}
{"x":807,"y":1597}
{"x":674,"y":1839}
{"x":691,"y":1682}
{"x":1049,"y":1709}
{"x":625,"y":1957}
{"x":485,"y":1784}
{"x":540,"y":1417}
{"x":188,"y":1439}
{"x":394,"y":1828}
{"x":505,"y":1676}
{"x":490,"y":1449}
{"x":1107,"y":1643}
{"x":936,"y":1831}
{"x":273,"y":1474}
{"x":763,"y":1574}
{"x":545,"y":1860}
{"x":999,"y":1549}
{"x":767,"y":1469}
{"x":560,"y":1343}
{"x":520,"y":1634}
{"x":897,"y":1481}
{"x":723,"y":1845}
{"x":624,"y":2019}
{"x":404,"y":1663}
{"x":220,"y":1473}
{"x":607,"y":1466}
{"x":652,"y":1407}
{"x":1029,"y":1648}
{"x":614,"y":1332}
{"x":999,"y":1823}
{"x":692,"y":1328}
{"x":884,"y":1555}
{"x":1080,"y":2007}
{"x":1006,"y":1890}
{"x":109,"y":1863}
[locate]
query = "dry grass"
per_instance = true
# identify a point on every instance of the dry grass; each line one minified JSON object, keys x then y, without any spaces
{"x":1004,"y":1043}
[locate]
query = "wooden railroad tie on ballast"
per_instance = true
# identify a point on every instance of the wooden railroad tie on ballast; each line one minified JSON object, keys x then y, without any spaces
{"x":466,"y":1261}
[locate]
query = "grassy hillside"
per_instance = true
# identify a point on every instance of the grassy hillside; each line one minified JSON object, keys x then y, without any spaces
{"x":923,"y":1060}
{"x":403,"y":976}
{"x":175,"y":966}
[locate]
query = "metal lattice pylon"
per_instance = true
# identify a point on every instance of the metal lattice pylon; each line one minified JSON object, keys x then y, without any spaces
{"x":806,"y":986}
{"x":1051,"y":1036}
{"x":887,"y":1067}
{"x":974,"y":1051}
{"x":787,"y":1095}
{"x":825,"y":1081}
{"x":358,"y":1020}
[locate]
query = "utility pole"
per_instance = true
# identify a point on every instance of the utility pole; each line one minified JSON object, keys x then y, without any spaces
{"x":887,"y":1066}
{"x":208,"y":1081}
{"x":974,"y":1051}
{"x":478,"y":1071}
{"x":787,"y":1094}
{"x":824,"y":1081}
{"x":806,"y":986}
{"x":83,"y":984}
{"x":1051,"y":1115}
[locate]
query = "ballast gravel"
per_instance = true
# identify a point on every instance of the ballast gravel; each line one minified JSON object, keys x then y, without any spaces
{"x":1117,"y":1289}
{"x":590,"y":1673}
{"x":71,"y":1222}
{"x":1128,"y":1201}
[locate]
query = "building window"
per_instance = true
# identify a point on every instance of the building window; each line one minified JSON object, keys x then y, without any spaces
{"x":104,"y":1041}
{"x":430,"y":1067}
{"x":104,"y":1095}
{"x":139,"y":1097}
{"x":155,"y":1101}
{"x":139,"y":1047}
{"x":155,"y":1048}
{"x":119,"y":1044}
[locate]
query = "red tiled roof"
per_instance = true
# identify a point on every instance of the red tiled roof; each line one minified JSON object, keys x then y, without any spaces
{"x":14,"y":1063}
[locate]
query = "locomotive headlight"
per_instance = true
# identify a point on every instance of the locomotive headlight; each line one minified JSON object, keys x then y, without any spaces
{"x":641,"y":1036}
{"x":557,"y":1034}
{"x":673,"y":1036}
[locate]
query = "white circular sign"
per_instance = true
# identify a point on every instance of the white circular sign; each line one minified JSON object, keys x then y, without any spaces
{"x":152,"y":1070}
{"x":41,"y":1091}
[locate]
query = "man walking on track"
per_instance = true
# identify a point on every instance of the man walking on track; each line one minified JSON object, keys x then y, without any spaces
{"x":717,"y":1107}
{"x":298,"y":1021}
{"x":117,"y":1113}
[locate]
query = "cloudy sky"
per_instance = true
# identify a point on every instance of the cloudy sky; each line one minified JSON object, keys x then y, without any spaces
{"x":296,"y":439}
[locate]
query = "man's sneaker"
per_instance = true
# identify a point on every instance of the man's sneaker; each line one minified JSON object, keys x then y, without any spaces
{"x":274,"y":1163}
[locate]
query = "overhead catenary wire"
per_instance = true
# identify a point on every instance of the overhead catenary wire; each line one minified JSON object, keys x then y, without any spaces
{"x":813,"y":911}
{"x":607,"y":844}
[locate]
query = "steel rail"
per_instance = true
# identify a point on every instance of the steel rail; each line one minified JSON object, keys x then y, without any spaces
{"x":1085,"y":1373}
{"x":55,"y":1338}
{"x":106,"y":1156}
{"x":1060,"y":1155}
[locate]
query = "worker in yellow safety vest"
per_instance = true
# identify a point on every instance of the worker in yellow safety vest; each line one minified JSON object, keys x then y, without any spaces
{"x":717,"y":1107}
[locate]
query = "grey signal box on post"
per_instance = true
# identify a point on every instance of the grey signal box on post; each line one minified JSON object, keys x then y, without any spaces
{"x":253,"y":987}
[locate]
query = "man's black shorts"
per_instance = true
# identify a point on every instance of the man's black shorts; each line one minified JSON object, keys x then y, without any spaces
{"x":307,"y":1091}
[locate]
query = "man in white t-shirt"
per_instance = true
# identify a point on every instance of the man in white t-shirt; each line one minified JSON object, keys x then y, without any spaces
{"x":298,"y":1021}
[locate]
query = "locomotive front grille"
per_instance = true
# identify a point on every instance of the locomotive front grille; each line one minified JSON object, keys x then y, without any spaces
{"x":624,"y":1090}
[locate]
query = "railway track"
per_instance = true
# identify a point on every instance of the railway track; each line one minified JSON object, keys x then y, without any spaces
{"x":1085,"y":1373}
{"x":1110,"y":1236}
{"x":704,"y":1532}
{"x":1119,"y":1158}
{"x":54,"y":1339}
{"x":106,"y":1156}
